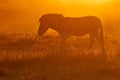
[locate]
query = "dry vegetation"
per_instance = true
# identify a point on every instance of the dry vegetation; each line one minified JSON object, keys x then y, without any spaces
{"x":27,"y":57}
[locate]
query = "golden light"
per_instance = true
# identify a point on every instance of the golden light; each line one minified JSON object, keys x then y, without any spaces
{"x":98,"y":2}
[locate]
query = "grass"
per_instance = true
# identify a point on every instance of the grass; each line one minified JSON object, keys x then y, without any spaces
{"x":28,"y":57}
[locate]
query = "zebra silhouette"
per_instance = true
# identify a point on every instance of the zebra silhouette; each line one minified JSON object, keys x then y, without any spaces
{"x":77,"y":26}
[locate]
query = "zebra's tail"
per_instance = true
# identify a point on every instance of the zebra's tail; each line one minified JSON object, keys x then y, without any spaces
{"x":101,"y":34}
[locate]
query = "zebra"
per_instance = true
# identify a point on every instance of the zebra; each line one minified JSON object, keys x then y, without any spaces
{"x":77,"y":26}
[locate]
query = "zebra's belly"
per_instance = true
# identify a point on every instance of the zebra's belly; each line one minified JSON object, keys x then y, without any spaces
{"x":79,"y":33}
{"x":69,"y":33}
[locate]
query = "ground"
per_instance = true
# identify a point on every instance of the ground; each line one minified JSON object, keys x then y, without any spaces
{"x":29,"y":57}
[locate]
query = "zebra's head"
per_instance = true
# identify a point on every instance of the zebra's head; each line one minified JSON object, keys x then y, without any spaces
{"x":49,"y":21}
{"x":43,"y":27}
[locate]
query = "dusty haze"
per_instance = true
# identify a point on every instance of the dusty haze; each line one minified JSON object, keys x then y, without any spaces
{"x":23,"y":15}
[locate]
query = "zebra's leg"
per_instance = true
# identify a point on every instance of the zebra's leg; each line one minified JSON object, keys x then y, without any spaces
{"x":91,"y":35}
{"x":62,"y":45}
{"x":101,"y":42}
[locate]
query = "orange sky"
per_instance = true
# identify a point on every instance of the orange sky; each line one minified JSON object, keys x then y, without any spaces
{"x":23,"y":15}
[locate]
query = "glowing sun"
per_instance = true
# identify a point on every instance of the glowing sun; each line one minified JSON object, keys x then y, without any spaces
{"x":85,"y":1}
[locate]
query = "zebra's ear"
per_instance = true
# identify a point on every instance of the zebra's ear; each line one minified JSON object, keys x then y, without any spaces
{"x":40,"y":19}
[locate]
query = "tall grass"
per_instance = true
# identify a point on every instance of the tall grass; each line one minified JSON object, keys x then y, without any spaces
{"x":23,"y":45}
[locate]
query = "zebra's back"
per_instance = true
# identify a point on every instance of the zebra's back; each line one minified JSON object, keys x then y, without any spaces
{"x":80,"y":26}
